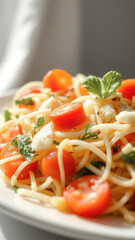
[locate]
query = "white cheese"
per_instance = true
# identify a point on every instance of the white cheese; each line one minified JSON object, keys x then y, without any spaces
{"x":43,"y":139}
{"x":126,"y":117}
{"x":107,"y":113}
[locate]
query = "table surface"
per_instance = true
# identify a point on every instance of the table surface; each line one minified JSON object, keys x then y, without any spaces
{"x":11,"y":229}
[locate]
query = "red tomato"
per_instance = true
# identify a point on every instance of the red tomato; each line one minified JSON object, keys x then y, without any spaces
{"x":86,"y":197}
{"x":50,"y":167}
{"x":68,"y":116}
{"x":9,"y":168}
{"x":130,"y":138}
{"x":7,"y":135}
{"x":29,"y":91}
{"x":57,"y":80}
{"x":127,"y":88}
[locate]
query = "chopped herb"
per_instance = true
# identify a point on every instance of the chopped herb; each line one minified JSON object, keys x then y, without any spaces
{"x":87,"y":134}
{"x":116,"y":148}
{"x":17,"y":116}
{"x":104,"y":89}
{"x":7,"y":115}
{"x":98,"y":164}
{"x":55,"y":142}
{"x":15,"y":187}
{"x":51,"y":95}
{"x":39,"y":122}
{"x":85,"y":171}
{"x":25,"y":101}
{"x":129,"y":158}
{"x":23,"y":143}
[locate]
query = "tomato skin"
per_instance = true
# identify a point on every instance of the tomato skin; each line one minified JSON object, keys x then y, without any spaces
{"x":30,"y":91}
{"x":131,"y":138}
{"x":68,"y":116}
{"x":86,"y":197}
{"x":57,"y":80}
{"x":50,"y":167}
{"x":127,"y":88}
{"x":7,"y":135}
{"x":9,"y":168}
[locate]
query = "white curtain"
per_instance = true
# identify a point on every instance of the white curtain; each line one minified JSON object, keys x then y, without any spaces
{"x":36,"y":36}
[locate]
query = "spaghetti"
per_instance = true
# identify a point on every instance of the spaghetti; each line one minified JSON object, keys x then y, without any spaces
{"x":101,"y":143}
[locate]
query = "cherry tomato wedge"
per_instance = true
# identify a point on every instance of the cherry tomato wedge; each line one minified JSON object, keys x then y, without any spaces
{"x":68,"y":116}
{"x":7,"y":135}
{"x":57,"y":79}
{"x":87,"y":197}
{"x":127,"y":88}
{"x":130,"y":138}
{"x":30,"y":91}
{"x":50,"y":167}
{"x":9,"y":168}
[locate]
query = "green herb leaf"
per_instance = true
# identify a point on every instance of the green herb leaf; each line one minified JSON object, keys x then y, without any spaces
{"x":55,"y":142}
{"x":39,"y":122}
{"x":93,"y":85}
{"x":85,"y":171}
{"x":116,"y":148}
{"x":104,"y":89}
{"x":129,"y":158}
{"x":25,"y":101}
{"x":87,"y":134}
{"x":15,"y":187}
{"x":23,"y":143}
{"x":17,"y":116}
{"x":7,"y":115}
{"x":111,"y":81}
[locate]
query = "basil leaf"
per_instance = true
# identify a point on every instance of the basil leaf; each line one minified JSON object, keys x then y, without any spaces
{"x":7,"y":115}
{"x":25,"y":101}
{"x":23,"y":143}
{"x":39,"y":122}
{"x":104,"y":89}
{"x":129,"y":158}
{"x":87,"y":134}
{"x":85,"y":171}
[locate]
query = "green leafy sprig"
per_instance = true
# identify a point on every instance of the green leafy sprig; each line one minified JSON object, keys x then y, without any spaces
{"x":25,"y":101}
{"x":105,"y":88}
{"x":23,"y":143}
{"x":87,"y":134}
{"x":39,"y":122}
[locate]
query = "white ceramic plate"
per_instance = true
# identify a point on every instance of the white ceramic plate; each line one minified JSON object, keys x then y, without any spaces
{"x":49,"y":219}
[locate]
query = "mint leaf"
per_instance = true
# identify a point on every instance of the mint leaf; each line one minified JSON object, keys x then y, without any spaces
{"x":93,"y":85}
{"x":39,"y":122}
{"x":23,"y":143}
{"x":25,"y":101}
{"x":104,"y":89}
{"x":7,"y":115}
{"x":111,"y":81}
{"x":129,"y":158}
{"x":87,"y":134}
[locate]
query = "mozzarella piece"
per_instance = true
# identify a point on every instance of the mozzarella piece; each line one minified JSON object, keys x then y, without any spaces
{"x":89,"y":107}
{"x":126,"y":117}
{"x":107,"y":113}
{"x":50,"y":103}
{"x":43,"y":139}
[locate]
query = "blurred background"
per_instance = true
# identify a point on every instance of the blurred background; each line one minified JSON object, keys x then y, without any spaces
{"x":87,"y":36}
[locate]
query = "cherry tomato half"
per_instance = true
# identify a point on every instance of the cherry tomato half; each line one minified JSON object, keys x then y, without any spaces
{"x":57,"y":80}
{"x":30,"y":91}
{"x":68,"y":116}
{"x":50,"y":167}
{"x":127,"y":88}
{"x":9,"y":168}
{"x":87,"y":197}
{"x":7,"y":135}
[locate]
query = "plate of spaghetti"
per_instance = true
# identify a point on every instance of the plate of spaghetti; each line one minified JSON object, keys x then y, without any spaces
{"x":67,"y":155}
